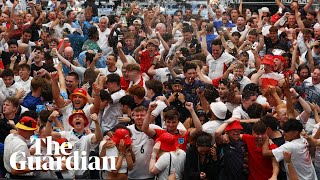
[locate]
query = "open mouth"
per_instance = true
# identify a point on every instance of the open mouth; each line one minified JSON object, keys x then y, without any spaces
{"x":78,"y":123}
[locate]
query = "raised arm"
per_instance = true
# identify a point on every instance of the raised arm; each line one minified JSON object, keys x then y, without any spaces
{"x":195,"y":119}
{"x":97,"y":132}
{"x":97,"y":99}
{"x":122,"y":56}
{"x":308,"y":5}
{"x":145,"y":126}
{"x":279,"y":3}
{"x":59,"y":101}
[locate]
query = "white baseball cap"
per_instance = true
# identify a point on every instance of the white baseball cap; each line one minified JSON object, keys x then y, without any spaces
{"x":219,"y":109}
{"x":265,"y":9}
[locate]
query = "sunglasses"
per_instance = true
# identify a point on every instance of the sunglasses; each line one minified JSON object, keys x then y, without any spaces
{"x":316,"y":46}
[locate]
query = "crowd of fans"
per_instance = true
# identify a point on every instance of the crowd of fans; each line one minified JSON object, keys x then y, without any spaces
{"x":232,"y":96}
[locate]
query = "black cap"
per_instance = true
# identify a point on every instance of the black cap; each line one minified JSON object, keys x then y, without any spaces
{"x":177,"y":81}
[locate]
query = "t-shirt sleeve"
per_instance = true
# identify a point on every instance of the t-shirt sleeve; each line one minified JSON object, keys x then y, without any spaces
{"x":158,"y":133}
{"x":163,"y":162}
{"x":246,"y":137}
{"x":278,"y":152}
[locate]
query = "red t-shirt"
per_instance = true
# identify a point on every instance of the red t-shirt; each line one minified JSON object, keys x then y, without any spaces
{"x":260,"y":168}
{"x":182,"y":138}
{"x":145,"y":61}
{"x":124,"y":84}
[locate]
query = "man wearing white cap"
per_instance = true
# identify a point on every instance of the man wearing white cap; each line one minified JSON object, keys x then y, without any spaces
{"x":219,"y":113}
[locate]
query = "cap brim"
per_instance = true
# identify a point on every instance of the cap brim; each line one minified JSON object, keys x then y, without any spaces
{"x":23,"y":127}
{"x":86,"y":121}
{"x":77,"y":93}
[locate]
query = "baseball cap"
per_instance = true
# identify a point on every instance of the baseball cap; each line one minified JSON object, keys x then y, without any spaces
{"x":219,"y":109}
{"x":168,"y":142}
{"x":177,"y":81}
{"x":122,"y":134}
{"x":75,"y":112}
{"x":233,"y":126}
{"x":268,"y":60}
{"x":265,"y":9}
{"x":81,"y":92}
{"x":137,"y":21}
{"x":27,"y":123}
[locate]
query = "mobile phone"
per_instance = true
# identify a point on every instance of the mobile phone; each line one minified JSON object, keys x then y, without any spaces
{"x":254,"y":46}
{"x":201,"y":89}
{"x":87,"y":85}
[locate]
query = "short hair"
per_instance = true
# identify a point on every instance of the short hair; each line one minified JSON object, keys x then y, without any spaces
{"x":50,"y":40}
{"x":7,"y":73}
{"x":115,"y":78}
{"x":138,"y":91}
{"x":38,"y":48}
{"x":259,"y":128}
{"x":236,"y":34}
{"x":225,"y":82}
{"x":255,"y":110}
{"x":127,"y":100}
{"x":239,"y":65}
{"x":32,"y":114}
{"x":247,"y":94}
{"x":273,"y":29}
{"x":92,"y":32}
{"x":216,"y":42}
{"x":253,"y":32}
{"x":38,"y":82}
{"x":27,"y":30}
{"x":44,"y":115}
{"x":187,"y":29}
{"x":188,"y":66}
{"x":292,"y":125}
{"x":14,"y":101}
{"x":306,"y":31}
{"x":69,"y":12}
{"x":12,"y":42}
{"x":74,"y":74}
{"x":89,"y":56}
{"x":105,"y":95}
{"x":155,"y":85}
{"x":172,"y":115}
{"x":140,"y":109}
{"x":133,"y":67}
{"x":114,"y":56}
{"x":129,"y":35}
{"x":252,"y":87}
{"x":25,"y":65}
{"x":244,"y":54}
{"x":203,"y":139}
{"x":270,"y":122}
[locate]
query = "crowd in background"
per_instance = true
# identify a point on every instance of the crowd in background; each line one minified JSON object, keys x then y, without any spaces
{"x":232,"y":95}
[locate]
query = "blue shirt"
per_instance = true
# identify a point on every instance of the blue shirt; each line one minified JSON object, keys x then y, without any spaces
{"x":31,"y":102}
{"x":87,"y":25}
{"x":76,"y":41}
{"x":218,"y":25}
{"x":101,"y":63}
